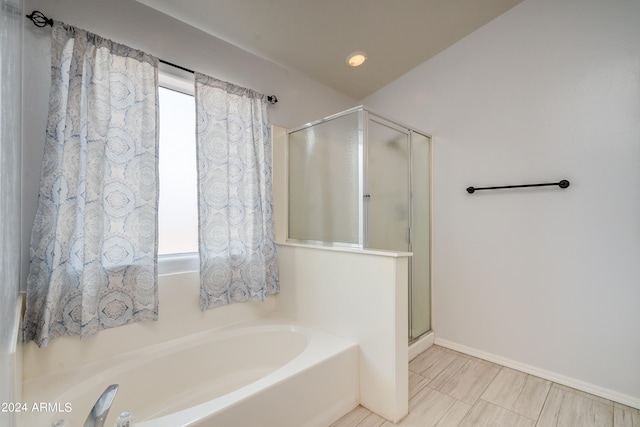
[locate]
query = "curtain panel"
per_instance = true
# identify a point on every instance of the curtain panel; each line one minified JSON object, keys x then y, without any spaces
{"x":238,"y":259}
{"x":94,"y":242}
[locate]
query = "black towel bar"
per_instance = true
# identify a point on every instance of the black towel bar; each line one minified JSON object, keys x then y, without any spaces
{"x":562,"y":184}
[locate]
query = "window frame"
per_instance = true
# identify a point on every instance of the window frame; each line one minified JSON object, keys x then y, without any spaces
{"x":180,"y":81}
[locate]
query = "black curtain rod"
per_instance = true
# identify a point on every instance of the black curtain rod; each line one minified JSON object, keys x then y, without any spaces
{"x":562,"y":184}
{"x":176,"y":66}
{"x":40,"y":20}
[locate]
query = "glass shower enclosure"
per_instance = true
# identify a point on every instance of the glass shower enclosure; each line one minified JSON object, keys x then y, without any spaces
{"x":360,"y":180}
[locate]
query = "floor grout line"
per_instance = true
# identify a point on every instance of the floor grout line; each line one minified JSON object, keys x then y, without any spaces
{"x":546,"y":399}
{"x":545,"y":402}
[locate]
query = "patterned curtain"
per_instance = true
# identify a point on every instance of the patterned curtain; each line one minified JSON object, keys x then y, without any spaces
{"x":94,"y":245}
{"x":237,"y":251}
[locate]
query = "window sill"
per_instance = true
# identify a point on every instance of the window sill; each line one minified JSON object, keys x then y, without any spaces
{"x":178,"y":263}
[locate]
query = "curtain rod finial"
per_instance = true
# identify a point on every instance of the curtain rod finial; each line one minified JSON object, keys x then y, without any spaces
{"x":39,"y":19}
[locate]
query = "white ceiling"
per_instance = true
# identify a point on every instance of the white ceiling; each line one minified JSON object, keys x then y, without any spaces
{"x":315,"y":36}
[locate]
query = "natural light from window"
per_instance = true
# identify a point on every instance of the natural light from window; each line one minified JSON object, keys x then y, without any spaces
{"x":178,"y":205}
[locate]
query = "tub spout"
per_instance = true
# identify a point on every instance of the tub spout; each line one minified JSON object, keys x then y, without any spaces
{"x":99,"y":412}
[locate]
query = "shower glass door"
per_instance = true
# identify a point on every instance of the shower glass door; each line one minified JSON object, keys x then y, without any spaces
{"x":324,"y":181}
{"x":387,"y":188}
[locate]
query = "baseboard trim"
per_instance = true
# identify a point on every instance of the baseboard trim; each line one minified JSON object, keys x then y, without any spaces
{"x":613,"y":395}
{"x":420,"y":345}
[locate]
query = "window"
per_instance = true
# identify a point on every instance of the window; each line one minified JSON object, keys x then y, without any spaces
{"x":178,"y":204}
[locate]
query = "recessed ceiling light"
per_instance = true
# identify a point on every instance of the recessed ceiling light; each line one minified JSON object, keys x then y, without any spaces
{"x":356,"y":59}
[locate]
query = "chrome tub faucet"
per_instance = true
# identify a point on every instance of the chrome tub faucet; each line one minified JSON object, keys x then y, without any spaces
{"x":99,"y":412}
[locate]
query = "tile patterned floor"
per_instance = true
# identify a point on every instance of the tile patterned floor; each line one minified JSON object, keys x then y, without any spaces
{"x":451,"y":389}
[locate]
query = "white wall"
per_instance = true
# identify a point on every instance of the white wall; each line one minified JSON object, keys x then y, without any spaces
{"x":300,"y":99}
{"x":10,"y":85}
{"x":547,"y":279}
{"x":360,"y":296}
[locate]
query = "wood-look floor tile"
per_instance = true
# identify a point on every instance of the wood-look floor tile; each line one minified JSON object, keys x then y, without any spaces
{"x":372,"y":420}
{"x":626,"y":408}
{"x":353,"y":418}
{"x":485,"y":362}
{"x":485,"y":414}
{"x":432,"y":362}
{"x":582,"y":393}
{"x":564,"y":408}
{"x":518,"y":392}
{"x":625,"y":417}
{"x":449,"y":389}
{"x":454,"y":352}
{"x":454,"y":415}
{"x":465,"y":379}
{"x":430,"y":408}
{"x":468,"y":356}
{"x":416,"y":383}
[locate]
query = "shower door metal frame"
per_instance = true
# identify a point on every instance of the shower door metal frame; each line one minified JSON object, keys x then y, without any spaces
{"x":367,"y":116}
{"x":411,"y":337}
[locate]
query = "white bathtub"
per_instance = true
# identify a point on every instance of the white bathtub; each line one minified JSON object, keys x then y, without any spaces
{"x":264,"y":373}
